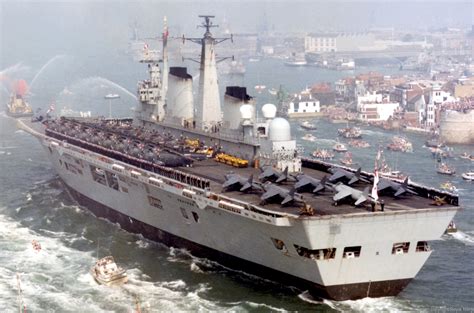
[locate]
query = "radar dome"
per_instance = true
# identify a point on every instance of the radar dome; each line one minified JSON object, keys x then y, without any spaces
{"x":246,"y":111}
{"x":269,"y":110}
{"x":279,"y":130}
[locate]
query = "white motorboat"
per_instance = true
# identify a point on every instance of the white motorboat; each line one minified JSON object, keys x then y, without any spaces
{"x":339,"y":147}
{"x":309,"y":137}
{"x":307,"y":125}
{"x":106,"y":272}
{"x":468,"y":176}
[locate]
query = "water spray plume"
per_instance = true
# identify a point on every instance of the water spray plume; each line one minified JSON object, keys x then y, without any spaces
{"x":52,"y":60}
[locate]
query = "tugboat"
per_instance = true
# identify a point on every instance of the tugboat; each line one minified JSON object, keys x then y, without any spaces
{"x":17,"y":106}
{"x":106,"y":272}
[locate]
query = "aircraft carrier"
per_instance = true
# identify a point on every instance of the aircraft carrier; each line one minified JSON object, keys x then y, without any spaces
{"x":233,"y":187}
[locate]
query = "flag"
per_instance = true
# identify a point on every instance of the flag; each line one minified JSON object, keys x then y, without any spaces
{"x":374,"y":193}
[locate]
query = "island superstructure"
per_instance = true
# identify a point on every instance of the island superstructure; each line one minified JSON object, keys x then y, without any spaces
{"x":231,"y":187}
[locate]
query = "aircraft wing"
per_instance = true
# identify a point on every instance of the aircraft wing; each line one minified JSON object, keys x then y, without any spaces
{"x":337,"y":175}
{"x":383,"y":184}
{"x":399,"y":192}
{"x":270,"y":194}
{"x":343,"y":193}
{"x":231,"y":181}
{"x":360,"y":200}
{"x":302,"y":182}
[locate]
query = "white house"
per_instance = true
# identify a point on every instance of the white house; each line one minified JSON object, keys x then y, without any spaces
{"x":304,"y":104}
{"x":375,"y":107}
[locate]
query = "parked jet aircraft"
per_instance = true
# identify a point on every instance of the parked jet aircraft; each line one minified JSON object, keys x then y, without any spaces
{"x":344,"y":191}
{"x":273,"y":191}
{"x":340,"y":174}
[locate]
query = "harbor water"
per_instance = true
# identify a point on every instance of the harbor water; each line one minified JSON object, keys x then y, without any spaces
{"x":34,"y":205}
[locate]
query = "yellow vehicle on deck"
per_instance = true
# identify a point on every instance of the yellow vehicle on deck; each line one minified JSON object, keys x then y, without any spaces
{"x":231,"y":160}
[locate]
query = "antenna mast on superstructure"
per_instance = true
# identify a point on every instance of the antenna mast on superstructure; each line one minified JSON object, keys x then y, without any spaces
{"x":208,"y":109}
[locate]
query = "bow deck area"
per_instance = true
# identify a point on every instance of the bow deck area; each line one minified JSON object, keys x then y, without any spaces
{"x":322,"y":203}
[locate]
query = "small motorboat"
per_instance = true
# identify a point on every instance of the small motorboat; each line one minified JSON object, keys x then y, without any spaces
{"x":307,"y":125}
{"x":434,"y":143}
{"x":339,"y":147}
{"x":468,"y":176}
{"x":465,"y":155}
{"x":445,"y":169}
{"x":323,"y":154}
{"x":309,"y":137}
{"x":358,"y":143}
{"x":350,"y":132}
{"x":451,"y":228}
{"x":106,"y":272}
{"x":347,"y":159}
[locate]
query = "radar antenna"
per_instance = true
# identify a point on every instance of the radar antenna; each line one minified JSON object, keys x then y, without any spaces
{"x":208,"y":24}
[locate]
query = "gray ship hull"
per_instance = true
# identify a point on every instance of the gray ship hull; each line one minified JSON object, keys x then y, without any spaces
{"x":338,"y":292}
{"x":244,"y":240}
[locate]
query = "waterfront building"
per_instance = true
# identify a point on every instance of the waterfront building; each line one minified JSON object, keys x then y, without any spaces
{"x":375,"y":107}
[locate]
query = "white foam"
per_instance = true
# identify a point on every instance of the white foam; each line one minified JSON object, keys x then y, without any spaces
{"x":367,"y":305}
{"x":142,"y":244}
{"x":195,"y":268}
{"x":61,"y":276}
{"x":463,"y":237}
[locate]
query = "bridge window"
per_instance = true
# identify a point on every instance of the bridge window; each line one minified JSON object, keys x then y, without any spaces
{"x":352,"y":252}
{"x":422,"y":246}
{"x":317,"y":254}
{"x":400,"y":247}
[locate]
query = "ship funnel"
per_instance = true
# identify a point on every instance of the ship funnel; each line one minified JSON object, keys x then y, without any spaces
{"x":180,"y":106}
{"x":234,"y":99}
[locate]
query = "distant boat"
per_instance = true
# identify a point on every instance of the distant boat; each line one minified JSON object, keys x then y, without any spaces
{"x":106,"y":272}
{"x":445,"y":169}
{"x":449,"y":186}
{"x":309,"y":137}
{"x":468,"y":176}
{"x":307,"y":125}
{"x":451,"y":228}
{"x":339,"y":147}
{"x":273,"y":91}
{"x":112,"y":96}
